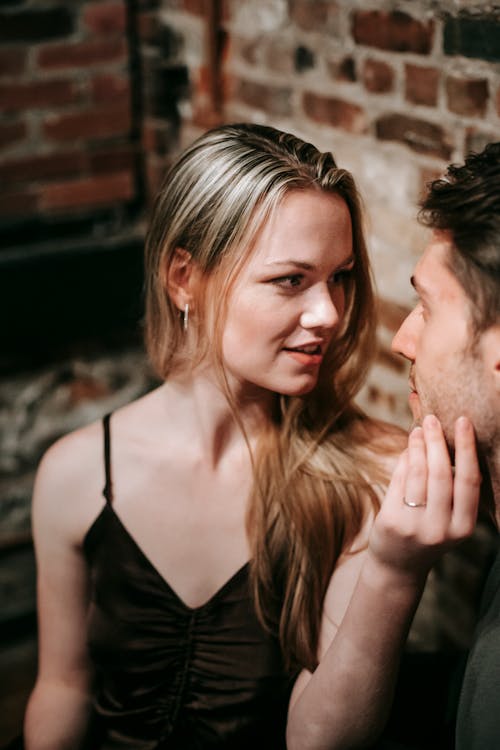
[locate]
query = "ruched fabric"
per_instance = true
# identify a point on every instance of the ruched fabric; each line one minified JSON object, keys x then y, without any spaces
{"x":171,"y":676}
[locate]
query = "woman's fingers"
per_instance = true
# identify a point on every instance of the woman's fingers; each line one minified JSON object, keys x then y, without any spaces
{"x":439,"y":475}
{"x":415,"y":495}
{"x":426,"y":508}
{"x":467,"y":482}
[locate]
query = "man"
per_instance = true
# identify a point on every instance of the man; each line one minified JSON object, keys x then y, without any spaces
{"x":452,"y":339}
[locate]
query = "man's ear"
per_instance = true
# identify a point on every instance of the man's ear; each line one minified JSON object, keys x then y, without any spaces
{"x":180,"y":277}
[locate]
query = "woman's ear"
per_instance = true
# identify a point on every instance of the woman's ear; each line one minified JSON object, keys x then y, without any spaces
{"x":180,"y":278}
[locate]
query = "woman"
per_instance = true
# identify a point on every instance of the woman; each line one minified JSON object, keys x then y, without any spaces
{"x":191,"y":606}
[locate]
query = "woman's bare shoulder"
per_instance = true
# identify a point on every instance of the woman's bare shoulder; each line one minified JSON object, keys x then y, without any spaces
{"x":68,"y":485}
{"x":78,"y":457}
{"x":73,"y":455}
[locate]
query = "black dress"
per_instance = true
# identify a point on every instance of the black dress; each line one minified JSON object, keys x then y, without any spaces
{"x":171,"y":676}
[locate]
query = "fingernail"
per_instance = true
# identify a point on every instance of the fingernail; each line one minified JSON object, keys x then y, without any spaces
{"x":431,"y":421}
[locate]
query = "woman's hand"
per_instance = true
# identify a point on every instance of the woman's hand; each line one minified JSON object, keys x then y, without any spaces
{"x":429,"y":505}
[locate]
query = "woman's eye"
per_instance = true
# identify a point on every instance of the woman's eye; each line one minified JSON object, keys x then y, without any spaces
{"x":340,"y":277}
{"x":289,"y":282}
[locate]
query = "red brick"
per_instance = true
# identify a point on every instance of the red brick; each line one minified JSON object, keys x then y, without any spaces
{"x":318,"y":15}
{"x":250,"y":50}
{"x":275,"y":53}
{"x":101,"y":122}
{"x":467,"y":96}
{"x":388,"y":358}
{"x":390,"y":314}
{"x":378,"y":76}
{"x":31,"y":24}
{"x":476,"y":140}
{"x":226,"y":10}
{"x":12,"y":132}
{"x":149,"y":134}
{"x":117,"y":159}
{"x":395,"y":31}
{"x":272,"y":99}
{"x":41,"y":167}
{"x":155,"y":169}
{"x":36,"y":95}
{"x":426,"y":177}
{"x":86,"y":388}
{"x":421,"y":85}
{"x":203,"y":80}
{"x":420,"y":135}
{"x":157,"y":136}
{"x":343,"y":69}
{"x":204,"y":116}
{"x":282,"y":58}
{"x":92,"y":191}
{"x":147,"y":27}
{"x":196,"y":7}
{"x":18,"y":204}
{"x":105,"y":18}
{"x":110,"y":87}
{"x":82,"y":54}
{"x":336,"y":112}
{"x":12,"y":61}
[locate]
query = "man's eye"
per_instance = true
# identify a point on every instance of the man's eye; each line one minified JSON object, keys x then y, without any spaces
{"x":420,"y":309}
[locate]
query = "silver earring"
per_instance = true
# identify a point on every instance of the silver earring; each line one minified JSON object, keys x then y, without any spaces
{"x":185,"y":317}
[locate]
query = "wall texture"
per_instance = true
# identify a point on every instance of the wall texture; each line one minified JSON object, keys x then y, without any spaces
{"x":395,"y":89}
{"x":97,"y":97}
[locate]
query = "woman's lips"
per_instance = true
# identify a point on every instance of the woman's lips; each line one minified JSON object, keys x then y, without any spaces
{"x":306,"y":358}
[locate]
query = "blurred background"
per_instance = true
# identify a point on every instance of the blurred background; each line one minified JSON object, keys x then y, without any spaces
{"x":96,"y":97}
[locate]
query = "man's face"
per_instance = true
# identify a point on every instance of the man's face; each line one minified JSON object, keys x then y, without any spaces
{"x":450,"y":374}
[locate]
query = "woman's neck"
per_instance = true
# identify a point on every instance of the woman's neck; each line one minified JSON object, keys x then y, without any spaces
{"x":204,"y":418}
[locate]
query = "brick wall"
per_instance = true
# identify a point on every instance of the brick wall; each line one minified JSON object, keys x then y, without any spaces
{"x":395,"y":89}
{"x":66,"y":131}
{"x":96,"y":97}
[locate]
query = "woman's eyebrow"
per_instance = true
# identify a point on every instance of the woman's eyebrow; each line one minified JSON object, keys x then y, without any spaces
{"x":291,"y":262}
{"x":304,"y":265}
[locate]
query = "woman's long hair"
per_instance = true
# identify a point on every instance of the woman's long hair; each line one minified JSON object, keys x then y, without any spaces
{"x":310,"y":492}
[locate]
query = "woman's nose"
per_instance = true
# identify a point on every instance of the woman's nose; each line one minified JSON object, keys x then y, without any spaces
{"x":320,"y":311}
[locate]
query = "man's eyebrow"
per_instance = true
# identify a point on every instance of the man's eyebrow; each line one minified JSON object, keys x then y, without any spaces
{"x":418,"y":287}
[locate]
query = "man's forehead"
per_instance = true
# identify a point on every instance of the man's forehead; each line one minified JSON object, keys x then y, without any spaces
{"x":433,"y":275}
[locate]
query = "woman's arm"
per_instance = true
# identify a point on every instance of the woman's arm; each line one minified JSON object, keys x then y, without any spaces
{"x":58,"y":710}
{"x":345,"y":703}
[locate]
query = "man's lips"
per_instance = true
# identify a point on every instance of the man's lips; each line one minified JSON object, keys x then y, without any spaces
{"x":414,"y":401}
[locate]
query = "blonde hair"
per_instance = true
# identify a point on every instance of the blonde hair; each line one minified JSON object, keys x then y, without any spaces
{"x":310,"y":490}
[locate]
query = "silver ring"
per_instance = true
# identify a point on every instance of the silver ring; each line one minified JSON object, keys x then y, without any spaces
{"x":413,"y":504}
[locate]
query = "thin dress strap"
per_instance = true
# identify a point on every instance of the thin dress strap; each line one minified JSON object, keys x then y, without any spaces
{"x":108,"y":487}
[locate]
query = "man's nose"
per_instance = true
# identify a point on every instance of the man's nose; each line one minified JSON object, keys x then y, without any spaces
{"x":404,"y":342}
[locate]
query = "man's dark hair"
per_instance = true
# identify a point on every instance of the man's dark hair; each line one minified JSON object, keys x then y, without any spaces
{"x":466,"y":202}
